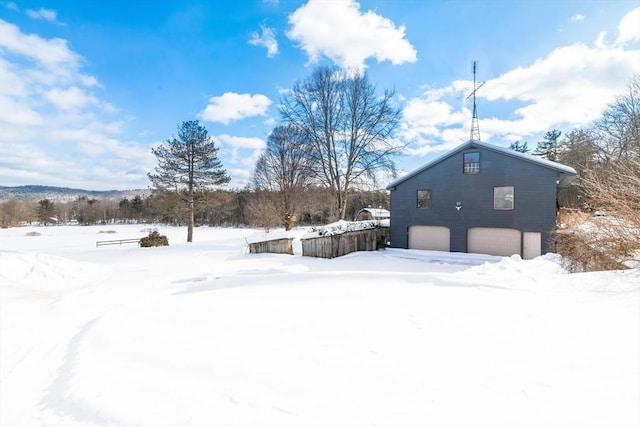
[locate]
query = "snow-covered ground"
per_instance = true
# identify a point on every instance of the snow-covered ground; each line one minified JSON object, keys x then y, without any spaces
{"x":206,"y":334}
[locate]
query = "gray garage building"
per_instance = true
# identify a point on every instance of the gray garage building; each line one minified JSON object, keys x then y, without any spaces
{"x":478,"y":198}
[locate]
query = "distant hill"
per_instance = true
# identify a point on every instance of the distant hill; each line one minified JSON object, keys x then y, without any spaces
{"x":63,"y":194}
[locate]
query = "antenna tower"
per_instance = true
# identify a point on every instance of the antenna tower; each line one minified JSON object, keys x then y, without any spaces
{"x":475,"y":128}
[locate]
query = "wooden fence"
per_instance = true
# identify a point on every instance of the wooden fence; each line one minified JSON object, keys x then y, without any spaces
{"x":278,"y":246}
{"x":336,"y":245}
{"x":117,"y":242}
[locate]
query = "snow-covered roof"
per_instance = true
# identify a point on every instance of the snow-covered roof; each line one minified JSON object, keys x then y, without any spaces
{"x":377,"y":212}
{"x":567,"y":173}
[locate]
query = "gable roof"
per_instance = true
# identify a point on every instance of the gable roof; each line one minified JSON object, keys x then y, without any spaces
{"x":566,"y":174}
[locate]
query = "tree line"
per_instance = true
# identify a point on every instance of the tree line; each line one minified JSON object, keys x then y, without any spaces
{"x":214,"y":207}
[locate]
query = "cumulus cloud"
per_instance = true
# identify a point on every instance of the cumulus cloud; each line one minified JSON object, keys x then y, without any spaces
{"x":231,"y":106}
{"x":572,"y":85}
{"x":69,"y":98}
{"x":567,"y":89}
{"x":243,"y":150}
{"x":242,"y":155}
{"x":339,"y":31}
{"x":55,"y":129}
{"x":629,"y":28}
{"x":266,"y":38}
{"x":43,"y":14}
{"x":241,"y":142}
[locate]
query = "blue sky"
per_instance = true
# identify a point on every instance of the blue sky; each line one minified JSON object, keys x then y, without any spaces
{"x":88,"y":87}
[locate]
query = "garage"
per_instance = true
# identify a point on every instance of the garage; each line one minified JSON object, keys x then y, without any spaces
{"x":494,"y":241}
{"x":429,"y":237}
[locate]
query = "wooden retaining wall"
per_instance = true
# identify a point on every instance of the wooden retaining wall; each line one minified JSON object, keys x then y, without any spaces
{"x":278,"y":246}
{"x":341,"y":244}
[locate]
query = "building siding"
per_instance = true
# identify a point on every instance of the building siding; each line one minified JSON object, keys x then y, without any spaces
{"x":534,"y":198}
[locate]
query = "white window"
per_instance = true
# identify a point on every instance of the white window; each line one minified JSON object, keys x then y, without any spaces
{"x":471,"y":162}
{"x":503,"y":198}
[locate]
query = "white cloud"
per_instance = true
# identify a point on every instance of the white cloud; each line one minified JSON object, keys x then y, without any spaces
{"x":629,"y":28}
{"x":12,"y":83}
{"x":567,"y":89}
{"x":15,"y":113}
{"x":46,"y":99}
{"x":577,"y":18}
{"x":234,"y":106}
{"x":573,"y":84}
{"x":43,"y":14}
{"x":340,"y":32}
{"x":52,"y":59}
{"x":242,"y":149}
{"x":69,"y":98}
{"x":10,"y":5}
{"x":242,"y":142}
{"x":241,"y":154}
{"x":266,"y":39}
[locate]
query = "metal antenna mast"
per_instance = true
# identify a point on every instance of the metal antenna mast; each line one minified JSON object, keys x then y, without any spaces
{"x":475,"y":128}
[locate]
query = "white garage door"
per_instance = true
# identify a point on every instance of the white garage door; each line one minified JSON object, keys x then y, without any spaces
{"x":493,"y":241}
{"x":531,"y":245}
{"x":429,"y":237}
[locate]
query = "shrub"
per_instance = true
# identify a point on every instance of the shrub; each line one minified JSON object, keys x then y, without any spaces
{"x":595,"y":243}
{"x":580,"y":255}
{"x":154,"y":239}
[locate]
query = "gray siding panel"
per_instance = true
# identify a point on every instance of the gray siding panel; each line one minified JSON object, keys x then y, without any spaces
{"x":534,"y":198}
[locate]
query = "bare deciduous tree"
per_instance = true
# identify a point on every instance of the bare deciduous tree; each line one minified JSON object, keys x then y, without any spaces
{"x":348,"y":127}
{"x":609,"y":162}
{"x":285,"y":168}
{"x":618,"y":131}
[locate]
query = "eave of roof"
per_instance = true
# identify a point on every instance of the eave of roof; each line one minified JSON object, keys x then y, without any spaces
{"x":567,"y":173}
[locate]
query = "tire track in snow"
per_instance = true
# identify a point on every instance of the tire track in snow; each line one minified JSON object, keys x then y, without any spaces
{"x":58,"y":396}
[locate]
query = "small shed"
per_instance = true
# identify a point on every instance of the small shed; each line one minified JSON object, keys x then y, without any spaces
{"x":368,"y":214}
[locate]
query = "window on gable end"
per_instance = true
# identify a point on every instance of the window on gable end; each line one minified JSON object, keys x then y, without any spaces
{"x":471,"y":162}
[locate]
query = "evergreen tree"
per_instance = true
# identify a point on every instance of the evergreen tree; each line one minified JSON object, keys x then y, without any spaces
{"x":137,"y":206}
{"x":548,"y":149}
{"x":521,"y":148}
{"x":187,"y":164}
{"x":45,"y":211}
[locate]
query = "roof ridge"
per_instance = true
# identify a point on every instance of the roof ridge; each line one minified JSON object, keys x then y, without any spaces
{"x":523,"y":156}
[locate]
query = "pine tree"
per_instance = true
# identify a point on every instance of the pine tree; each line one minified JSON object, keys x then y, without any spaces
{"x":187,"y":164}
{"x":45,"y":211}
{"x":521,"y":148}
{"x":548,"y":149}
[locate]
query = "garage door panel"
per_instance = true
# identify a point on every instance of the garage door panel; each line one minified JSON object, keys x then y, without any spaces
{"x":429,"y":237}
{"x":494,"y":241}
{"x":531,"y":245}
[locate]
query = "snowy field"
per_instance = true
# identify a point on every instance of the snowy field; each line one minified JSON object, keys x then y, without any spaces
{"x":206,"y":334}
